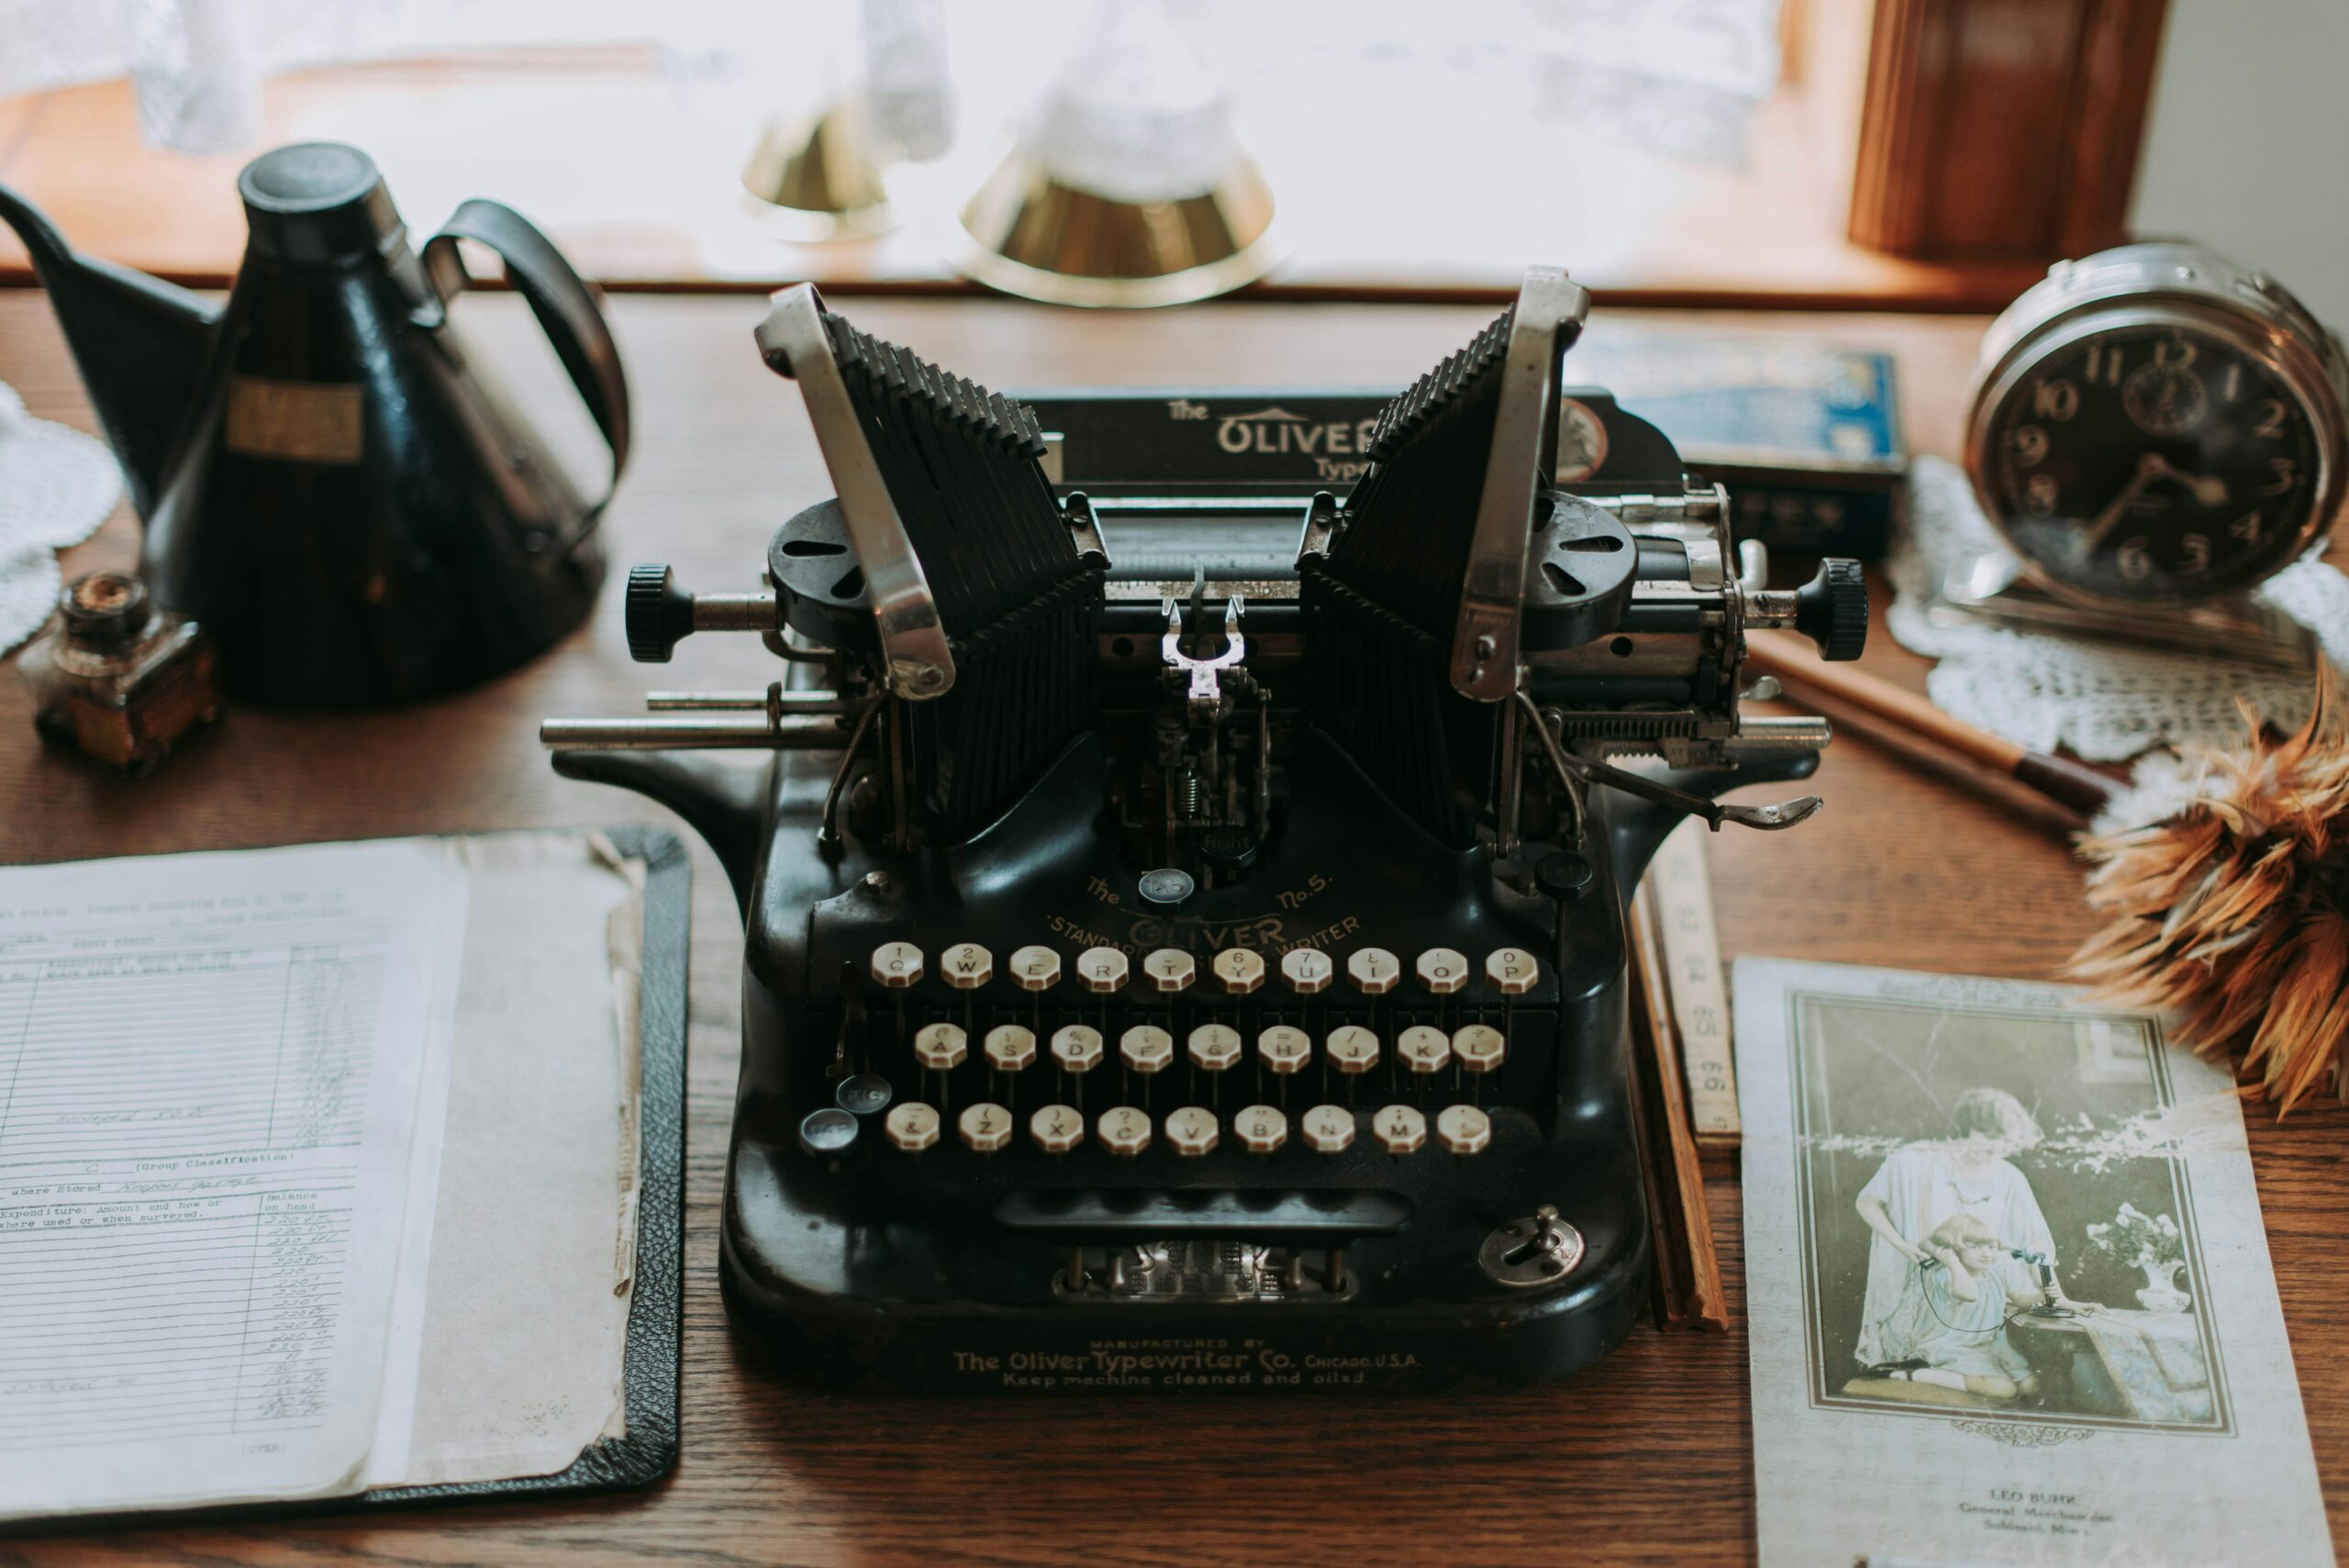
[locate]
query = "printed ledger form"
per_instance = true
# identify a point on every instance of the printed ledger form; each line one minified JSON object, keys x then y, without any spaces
{"x":224,"y":1085}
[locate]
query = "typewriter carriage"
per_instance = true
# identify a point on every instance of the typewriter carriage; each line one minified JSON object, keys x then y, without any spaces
{"x":1402,"y":740}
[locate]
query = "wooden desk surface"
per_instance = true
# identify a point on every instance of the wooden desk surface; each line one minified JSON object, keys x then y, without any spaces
{"x":1646,"y":1459}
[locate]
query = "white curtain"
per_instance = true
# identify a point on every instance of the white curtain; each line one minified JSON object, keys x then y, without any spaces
{"x":1678,"y":76}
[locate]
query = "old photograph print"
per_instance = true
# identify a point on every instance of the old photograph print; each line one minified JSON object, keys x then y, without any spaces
{"x":1993,"y":1226}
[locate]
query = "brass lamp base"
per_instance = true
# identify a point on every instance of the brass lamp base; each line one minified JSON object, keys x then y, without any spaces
{"x":815,"y":177}
{"x":1028,"y":234}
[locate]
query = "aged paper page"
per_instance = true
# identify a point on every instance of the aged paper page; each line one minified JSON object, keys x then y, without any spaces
{"x":2008,"y":1293}
{"x":209,"y":1076}
{"x":532,"y":1243}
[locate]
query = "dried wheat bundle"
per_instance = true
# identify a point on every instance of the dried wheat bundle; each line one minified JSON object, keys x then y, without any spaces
{"x":2230,"y":912}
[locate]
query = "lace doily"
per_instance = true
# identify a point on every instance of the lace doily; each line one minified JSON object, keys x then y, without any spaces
{"x":56,"y":487}
{"x":2104,"y":701}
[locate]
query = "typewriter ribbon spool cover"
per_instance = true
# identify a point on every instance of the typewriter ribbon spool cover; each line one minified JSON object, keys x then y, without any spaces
{"x":1207,"y":975}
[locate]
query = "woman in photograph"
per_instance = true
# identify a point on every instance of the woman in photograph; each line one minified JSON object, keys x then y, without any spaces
{"x":1923,"y":1184}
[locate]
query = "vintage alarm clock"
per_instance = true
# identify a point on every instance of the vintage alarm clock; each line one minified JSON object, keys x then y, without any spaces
{"x":2155,"y":431}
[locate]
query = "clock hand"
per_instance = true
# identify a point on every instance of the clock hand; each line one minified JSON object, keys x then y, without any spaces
{"x":2212,"y":491}
{"x":2150,"y":467}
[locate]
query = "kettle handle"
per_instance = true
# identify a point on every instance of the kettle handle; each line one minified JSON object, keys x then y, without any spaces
{"x":565,"y":306}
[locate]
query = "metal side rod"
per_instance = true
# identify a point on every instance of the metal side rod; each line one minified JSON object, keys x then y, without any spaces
{"x":715,"y":732}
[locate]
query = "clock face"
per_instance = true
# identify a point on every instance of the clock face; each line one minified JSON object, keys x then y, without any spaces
{"x":2152,"y":463}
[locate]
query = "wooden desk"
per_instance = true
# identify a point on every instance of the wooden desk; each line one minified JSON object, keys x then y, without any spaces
{"x":1643,"y":1460}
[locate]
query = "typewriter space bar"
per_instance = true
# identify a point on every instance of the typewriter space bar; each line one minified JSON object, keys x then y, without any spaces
{"x":1308,"y":1215}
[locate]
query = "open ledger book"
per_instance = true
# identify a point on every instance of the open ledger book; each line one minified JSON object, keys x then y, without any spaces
{"x":321,"y":1170}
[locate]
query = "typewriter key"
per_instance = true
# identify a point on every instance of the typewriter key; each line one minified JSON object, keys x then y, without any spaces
{"x":1035,"y":969}
{"x":1077,"y":1048}
{"x":912,"y":1127}
{"x":896,"y":965}
{"x":1191,"y":1129}
{"x":1399,"y":1130}
{"x":1327,"y":1130}
{"x":1511,"y":970}
{"x":1262,"y":1129}
{"x":1443,"y":971}
{"x":1464,"y":1130}
{"x":1010,"y":1047}
{"x":863,"y":1093}
{"x":1374,"y":971}
{"x":1102,"y":969}
{"x":1352,"y":1050}
{"x":966,"y":966}
{"x":985,"y":1128}
{"x":1479,"y":1048}
{"x":1307,"y":970}
{"x":1124,"y":1131}
{"x":1057,"y":1128}
{"x":1284,"y":1049}
{"x":940,"y":1047}
{"x":1239,"y":970}
{"x":828,"y":1133}
{"x":1146,"y":1048}
{"x":1214,"y":1047}
{"x":1424,"y":1049}
{"x":1170,"y":969}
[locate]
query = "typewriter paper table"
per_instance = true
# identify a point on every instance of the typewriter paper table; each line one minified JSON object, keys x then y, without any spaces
{"x":1646,"y":1459}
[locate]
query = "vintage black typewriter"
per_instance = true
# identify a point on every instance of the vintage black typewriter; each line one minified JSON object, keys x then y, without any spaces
{"x":1184,"y":918}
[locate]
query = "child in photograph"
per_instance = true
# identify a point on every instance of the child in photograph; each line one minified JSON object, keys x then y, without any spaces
{"x":1950,"y":1327}
{"x":1921,"y":1184}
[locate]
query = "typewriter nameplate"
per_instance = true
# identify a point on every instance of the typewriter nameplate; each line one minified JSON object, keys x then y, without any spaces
{"x":1270,"y":931}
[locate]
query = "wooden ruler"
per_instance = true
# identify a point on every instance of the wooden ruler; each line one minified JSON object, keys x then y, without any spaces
{"x":1687,"y":1268}
{"x":1681,"y":892}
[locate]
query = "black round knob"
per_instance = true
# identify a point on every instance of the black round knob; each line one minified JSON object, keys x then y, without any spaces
{"x":1230,"y":850}
{"x":1564,"y":877}
{"x":1832,"y":609}
{"x":659,"y":614}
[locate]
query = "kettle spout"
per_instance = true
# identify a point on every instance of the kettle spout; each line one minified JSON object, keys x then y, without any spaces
{"x":725,"y":806}
{"x":139,"y":342}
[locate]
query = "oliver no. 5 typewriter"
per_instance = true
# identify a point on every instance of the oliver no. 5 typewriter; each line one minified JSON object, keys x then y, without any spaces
{"x":1184,"y":910}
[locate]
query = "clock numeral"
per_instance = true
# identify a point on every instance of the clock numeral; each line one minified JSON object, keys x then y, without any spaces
{"x":2135,"y":561}
{"x":2104,"y":364}
{"x":2271,"y":419}
{"x":2248,"y":527}
{"x":2288,"y":474}
{"x":2198,"y":555}
{"x":2031,"y":444}
{"x":2057,"y":400}
{"x":2234,"y":382}
{"x":2039,"y":495}
{"x":2174,"y":353}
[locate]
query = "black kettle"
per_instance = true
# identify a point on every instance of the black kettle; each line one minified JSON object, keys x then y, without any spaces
{"x":330,"y":483}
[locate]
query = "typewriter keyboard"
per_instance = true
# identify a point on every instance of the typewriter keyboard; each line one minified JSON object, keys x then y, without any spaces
{"x":1165,"y":1057}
